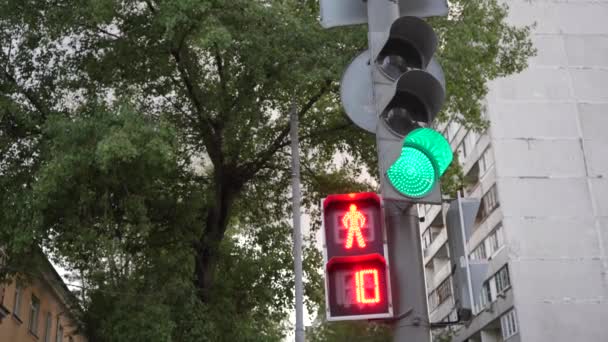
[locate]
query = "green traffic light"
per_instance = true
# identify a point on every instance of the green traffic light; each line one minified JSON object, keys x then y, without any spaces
{"x":413,"y":174}
{"x":425,"y":156}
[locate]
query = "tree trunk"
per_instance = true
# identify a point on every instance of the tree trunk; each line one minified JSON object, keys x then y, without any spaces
{"x":207,"y":252}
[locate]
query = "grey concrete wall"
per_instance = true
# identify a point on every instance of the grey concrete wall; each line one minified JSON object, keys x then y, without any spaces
{"x":549,"y":131}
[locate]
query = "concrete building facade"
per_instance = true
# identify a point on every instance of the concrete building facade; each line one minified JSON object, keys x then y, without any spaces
{"x":38,"y":310}
{"x":541,"y":172}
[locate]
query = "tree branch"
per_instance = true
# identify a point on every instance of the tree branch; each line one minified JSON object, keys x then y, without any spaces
{"x":150,"y":6}
{"x":106,"y":32}
{"x":211,"y":139}
{"x":29,"y":95}
{"x":219,"y":63}
{"x":311,"y":102}
{"x":249,"y":169}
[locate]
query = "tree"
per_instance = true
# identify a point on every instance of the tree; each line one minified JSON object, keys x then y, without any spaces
{"x":350,"y":332}
{"x":143,"y":144}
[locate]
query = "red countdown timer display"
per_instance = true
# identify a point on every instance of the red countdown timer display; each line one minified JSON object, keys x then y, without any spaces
{"x":356,"y":262}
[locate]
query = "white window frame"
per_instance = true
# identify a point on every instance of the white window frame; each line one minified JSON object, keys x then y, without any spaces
{"x":32,"y":325}
{"x":427,"y":238}
{"x":508,"y":324}
{"x":59,"y":332}
{"x":486,"y":161}
{"x":17,"y":301}
{"x":452,"y":130}
{"x":479,"y":252}
{"x":461,"y":150}
{"x":504,"y":281}
{"x":48,"y":327}
{"x":497,"y":236}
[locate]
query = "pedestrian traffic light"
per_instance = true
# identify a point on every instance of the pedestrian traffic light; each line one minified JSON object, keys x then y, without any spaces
{"x":356,"y":265}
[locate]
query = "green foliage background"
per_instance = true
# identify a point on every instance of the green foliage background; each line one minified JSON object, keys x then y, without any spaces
{"x":144,"y":146}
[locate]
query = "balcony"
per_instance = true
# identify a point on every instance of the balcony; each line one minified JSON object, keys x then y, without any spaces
{"x":435,"y":246}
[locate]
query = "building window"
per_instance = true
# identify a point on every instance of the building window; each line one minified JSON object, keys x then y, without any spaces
{"x":489,"y":202}
{"x":427,"y":238}
{"x":59,"y":334}
{"x":486,"y":161}
{"x":34,"y":310}
{"x":466,"y":146}
{"x":461,"y":150}
{"x":17,"y":301}
{"x":486,"y":294}
{"x":47,"y":327}
{"x":503,"y":281}
{"x":508,"y":324}
{"x":495,"y":240}
{"x":495,"y":285}
{"x":479,"y":253}
{"x":490,"y":245}
{"x":444,"y":291}
{"x":471,"y":139}
{"x":452,"y":130}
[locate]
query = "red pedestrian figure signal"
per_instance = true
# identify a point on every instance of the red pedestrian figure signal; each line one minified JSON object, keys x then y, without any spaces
{"x":357,"y":275}
{"x":354,"y":220}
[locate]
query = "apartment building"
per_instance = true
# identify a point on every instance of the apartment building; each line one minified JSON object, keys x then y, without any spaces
{"x":541,"y":172}
{"x":41,"y":309}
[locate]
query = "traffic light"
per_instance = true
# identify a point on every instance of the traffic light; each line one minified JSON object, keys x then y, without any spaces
{"x":394,"y":90}
{"x":409,"y":92}
{"x":424,"y":158}
{"x":356,"y":265}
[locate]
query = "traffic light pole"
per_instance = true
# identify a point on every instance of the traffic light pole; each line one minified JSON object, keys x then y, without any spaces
{"x":409,"y":290}
{"x":402,"y":223}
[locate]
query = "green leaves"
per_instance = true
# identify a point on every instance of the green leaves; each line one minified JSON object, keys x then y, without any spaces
{"x":102,"y":172}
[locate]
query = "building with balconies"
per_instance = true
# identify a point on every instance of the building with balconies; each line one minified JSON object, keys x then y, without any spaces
{"x":541,"y":172}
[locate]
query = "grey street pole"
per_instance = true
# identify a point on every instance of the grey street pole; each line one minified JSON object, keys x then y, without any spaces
{"x":402,"y":223}
{"x":297,"y":231}
{"x":405,"y":252}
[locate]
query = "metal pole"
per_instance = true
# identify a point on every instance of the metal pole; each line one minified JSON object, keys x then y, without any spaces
{"x":411,"y":322}
{"x":407,"y":272}
{"x":297,"y":232}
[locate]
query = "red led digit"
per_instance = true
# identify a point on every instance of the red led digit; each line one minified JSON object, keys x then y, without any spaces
{"x":354,"y":220}
{"x":362,"y":280}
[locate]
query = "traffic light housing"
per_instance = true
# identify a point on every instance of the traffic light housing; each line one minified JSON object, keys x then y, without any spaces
{"x":468,"y":275}
{"x":409,"y":92}
{"x":393,"y":90}
{"x":357,"y":282}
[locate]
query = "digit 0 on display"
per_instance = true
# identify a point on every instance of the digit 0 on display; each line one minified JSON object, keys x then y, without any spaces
{"x":357,"y":283}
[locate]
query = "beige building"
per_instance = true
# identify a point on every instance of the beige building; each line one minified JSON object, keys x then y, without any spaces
{"x":38,"y":310}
